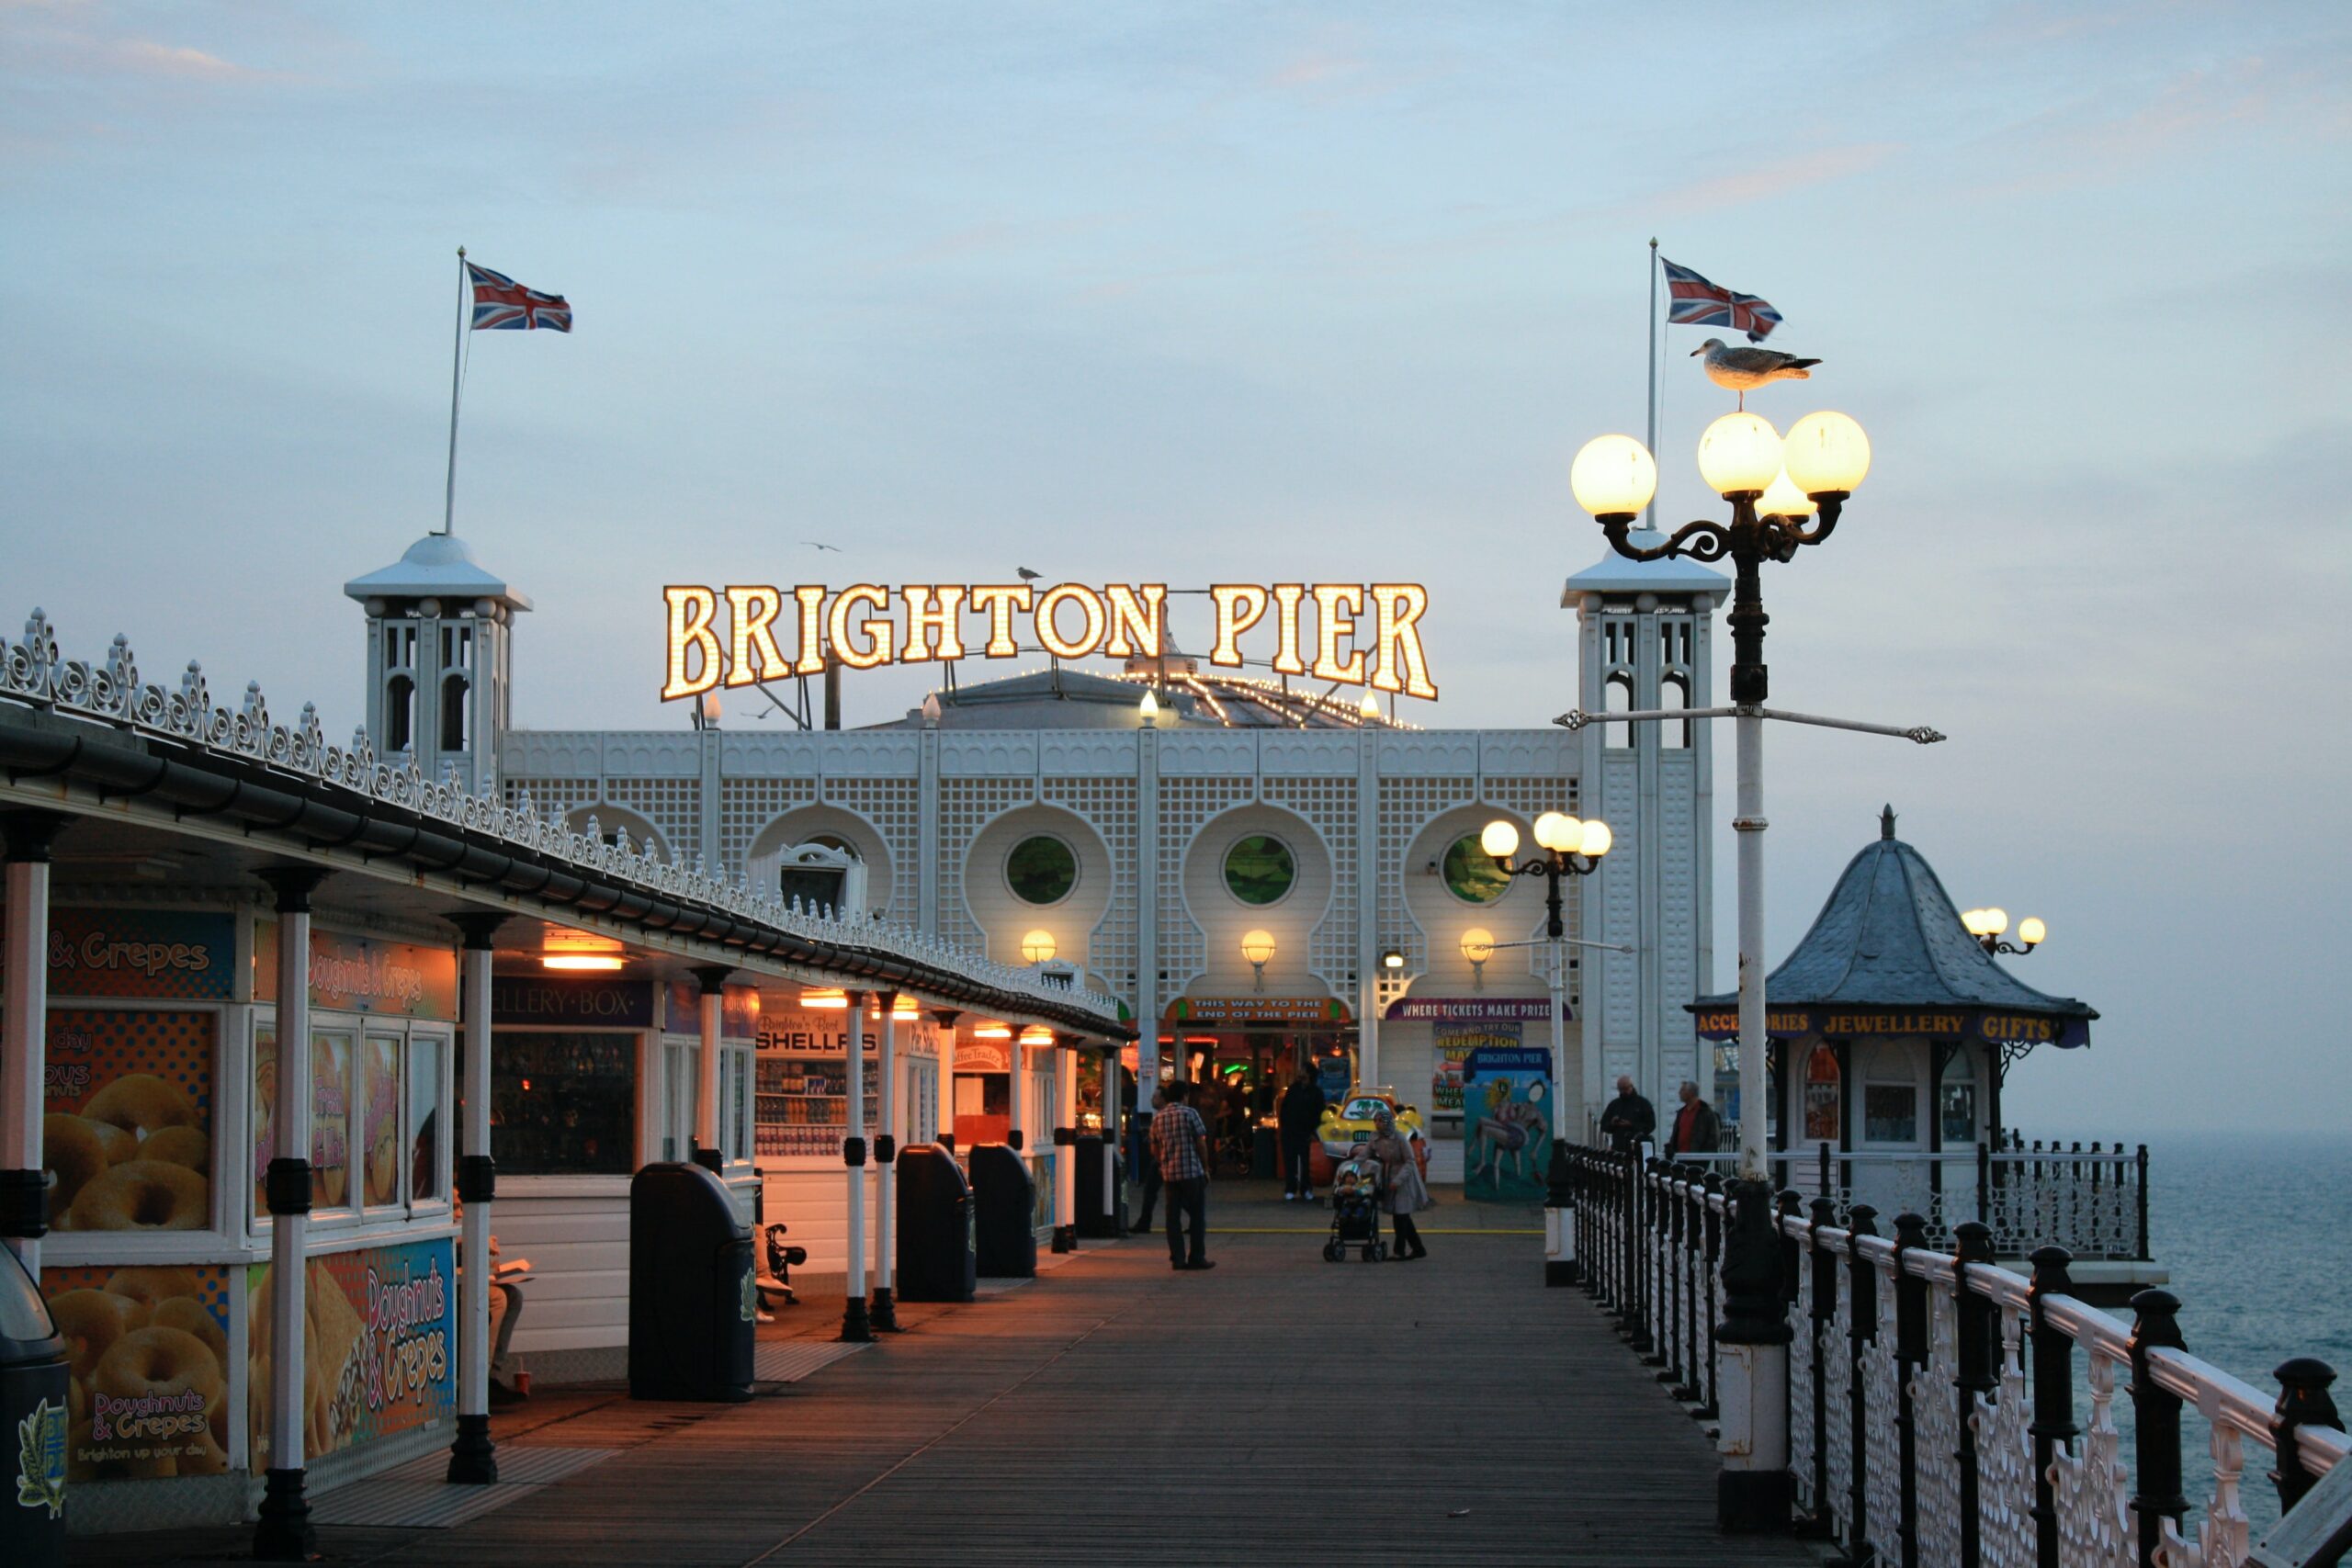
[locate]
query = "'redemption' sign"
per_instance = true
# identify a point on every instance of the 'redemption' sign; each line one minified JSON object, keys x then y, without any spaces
{"x":1363,"y":634}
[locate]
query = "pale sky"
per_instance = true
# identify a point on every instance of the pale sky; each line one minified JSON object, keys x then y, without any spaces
{"x":1247,"y":292}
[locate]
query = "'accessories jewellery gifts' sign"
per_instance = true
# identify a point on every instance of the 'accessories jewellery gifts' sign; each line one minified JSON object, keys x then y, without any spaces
{"x":1993,"y":1026}
{"x":1363,"y":634}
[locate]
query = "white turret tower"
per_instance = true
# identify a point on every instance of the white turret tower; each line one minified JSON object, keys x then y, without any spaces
{"x":1643,"y":642}
{"x":439,"y":659}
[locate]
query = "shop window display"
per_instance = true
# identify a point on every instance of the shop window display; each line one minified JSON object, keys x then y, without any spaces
{"x":426,"y":1057}
{"x":331,"y":1122}
{"x":379,"y":1120}
{"x":563,"y":1103}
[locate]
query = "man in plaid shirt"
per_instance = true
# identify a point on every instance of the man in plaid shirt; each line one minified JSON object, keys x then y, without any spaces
{"x":1179,"y":1142}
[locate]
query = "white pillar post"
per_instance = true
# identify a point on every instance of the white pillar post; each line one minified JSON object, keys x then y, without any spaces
{"x":24,"y":1034}
{"x":472,"y":1456}
{"x":1111,"y":1119}
{"x":712,"y":979}
{"x":856,"y":1327}
{"x":1016,"y":1072}
{"x":885,"y":1312}
{"x":285,"y":1532}
{"x":1748,"y":823}
{"x":1065,"y":1144}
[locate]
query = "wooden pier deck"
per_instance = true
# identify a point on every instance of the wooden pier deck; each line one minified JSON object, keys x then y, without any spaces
{"x":1276,"y":1410}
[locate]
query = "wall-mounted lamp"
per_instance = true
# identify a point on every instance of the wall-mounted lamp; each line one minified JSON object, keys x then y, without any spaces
{"x":1150,"y":709}
{"x":1037,"y":946}
{"x":992,"y":1029}
{"x":1986,"y":926}
{"x":1477,"y":946}
{"x":1258,"y":946}
{"x":1392,"y":960}
{"x":563,"y":949}
{"x":596,"y":961}
{"x":825,"y":999}
{"x":1036,"y":1034}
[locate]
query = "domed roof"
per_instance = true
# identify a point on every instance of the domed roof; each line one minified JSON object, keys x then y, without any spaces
{"x":436,"y":566}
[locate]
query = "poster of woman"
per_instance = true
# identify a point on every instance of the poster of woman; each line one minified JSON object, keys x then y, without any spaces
{"x":1506,"y":1124}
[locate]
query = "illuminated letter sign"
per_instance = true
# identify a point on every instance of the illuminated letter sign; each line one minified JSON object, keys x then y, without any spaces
{"x":1366,"y":635}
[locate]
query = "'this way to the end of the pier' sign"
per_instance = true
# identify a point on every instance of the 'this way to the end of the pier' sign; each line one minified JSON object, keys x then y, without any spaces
{"x":1364,"y":634}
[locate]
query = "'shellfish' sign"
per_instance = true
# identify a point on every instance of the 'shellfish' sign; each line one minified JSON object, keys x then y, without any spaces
{"x":1364,"y":634}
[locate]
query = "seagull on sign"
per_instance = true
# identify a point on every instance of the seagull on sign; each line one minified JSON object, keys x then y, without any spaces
{"x":1026,"y":575}
{"x":1744,"y":370}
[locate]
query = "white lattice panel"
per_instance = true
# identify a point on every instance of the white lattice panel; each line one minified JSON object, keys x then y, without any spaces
{"x":1186,"y":803}
{"x":1108,"y":805}
{"x":746,"y":806}
{"x":1328,"y":804}
{"x":1678,"y":936}
{"x":889,"y":807}
{"x":1621,"y":902}
{"x":1407,"y":805}
{"x":967,"y":805}
{"x":673,"y":804}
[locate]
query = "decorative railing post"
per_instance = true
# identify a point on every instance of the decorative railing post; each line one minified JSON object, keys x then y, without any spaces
{"x":2159,"y":1499}
{"x":2140,"y":1201}
{"x":1672,"y":1290}
{"x":1560,"y":1250}
{"x":1861,"y":1331}
{"x":2053,"y":1396}
{"x":1629,"y":1308}
{"x":1711,"y":1191}
{"x":1752,"y":1495}
{"x":1984,"y":1183}
{"x":1824,"y":1264}
{"x":1637,"y":1255}
{"x":1910,"y":1355}
{"x":1974,"y":1380}
{"x":2303,"y":1401}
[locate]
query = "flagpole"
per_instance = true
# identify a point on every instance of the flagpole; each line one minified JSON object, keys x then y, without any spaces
{"x":457,"y":349}
{"x":1650,"y":513}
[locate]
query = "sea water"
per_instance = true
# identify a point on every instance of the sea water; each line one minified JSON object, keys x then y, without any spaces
{"x":2252,"y":1226}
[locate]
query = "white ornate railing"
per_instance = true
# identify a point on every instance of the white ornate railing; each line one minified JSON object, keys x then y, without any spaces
{"x":1931,"y":1395}
{"x":111,"y":692}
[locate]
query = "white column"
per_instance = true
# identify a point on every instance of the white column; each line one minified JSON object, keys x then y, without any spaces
{"x":707,"y":1065}
{"x":1749,"y":824}
{"x":24,"y":1025}
{"x":471,"y":1460}
{"x":855,"y":1326}
{"x":1065,"y":1145}
{"x":1016,"y":1076}
{"x":284,"y":1531}
{"x":1110,"y":1116}
{"x":1146,"y":914}
{"x":885,"y":1219}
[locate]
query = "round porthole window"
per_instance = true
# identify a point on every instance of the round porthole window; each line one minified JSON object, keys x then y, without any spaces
{"x":1471,"y":874}
{"x":1259,"y":870}
{"x":1041,"y":869}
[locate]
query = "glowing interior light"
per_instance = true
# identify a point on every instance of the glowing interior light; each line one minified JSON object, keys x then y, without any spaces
{"x":831,"y":999}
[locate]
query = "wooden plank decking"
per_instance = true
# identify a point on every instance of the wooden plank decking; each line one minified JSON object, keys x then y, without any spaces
{"x":1276,"y":1410}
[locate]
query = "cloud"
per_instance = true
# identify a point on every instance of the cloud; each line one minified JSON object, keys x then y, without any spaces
{"x":1765,"y":182}
{"x":146,"y":57}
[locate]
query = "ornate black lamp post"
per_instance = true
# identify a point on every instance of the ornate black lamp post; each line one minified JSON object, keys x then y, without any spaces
{"x":1986,"y":926}
{"x":1570,"y":849}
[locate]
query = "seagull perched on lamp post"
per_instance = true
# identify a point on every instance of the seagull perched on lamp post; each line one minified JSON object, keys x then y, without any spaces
{"x":1742,"y":370}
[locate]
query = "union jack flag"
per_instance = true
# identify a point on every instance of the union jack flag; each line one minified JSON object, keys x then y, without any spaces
{"x":501,"y":304}
{"x":1698,"y":303}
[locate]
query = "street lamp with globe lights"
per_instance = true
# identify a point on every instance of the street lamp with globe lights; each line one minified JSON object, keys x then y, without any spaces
{"x":1784,"y":494}
{"x":1986,"y":926}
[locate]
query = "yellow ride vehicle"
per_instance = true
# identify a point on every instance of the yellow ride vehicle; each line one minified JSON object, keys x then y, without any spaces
{"x":1348,"y":1122}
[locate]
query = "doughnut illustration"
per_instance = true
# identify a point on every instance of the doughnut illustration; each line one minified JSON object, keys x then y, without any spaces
{"x":190,"y":1147}
{"x":91,"y":1322}
{"x":72,"y":1153}
{"x":141,"y":1103}
{"x":144,"y":1195}
{"x":153,"y":1286}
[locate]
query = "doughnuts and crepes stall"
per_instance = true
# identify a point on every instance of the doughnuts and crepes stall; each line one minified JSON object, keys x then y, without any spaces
{"x":158,"y":1118}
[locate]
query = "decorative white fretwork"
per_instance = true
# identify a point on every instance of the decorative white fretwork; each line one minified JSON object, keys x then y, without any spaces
{"x":2090,"y":1483}
{"x":1882,"y":1435}
{"x":111,"y":692}
{"x":1935,"y":1417}
{"x":2004,"y":1457}
{"x":1838,"y":1428}
{"x":1801,"y":1366}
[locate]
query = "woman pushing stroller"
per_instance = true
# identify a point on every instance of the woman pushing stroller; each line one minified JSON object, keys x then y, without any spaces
{"x":1404,"y":1192}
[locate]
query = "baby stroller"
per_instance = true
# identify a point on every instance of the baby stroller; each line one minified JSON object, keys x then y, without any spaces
{"x":1357,"y":1197}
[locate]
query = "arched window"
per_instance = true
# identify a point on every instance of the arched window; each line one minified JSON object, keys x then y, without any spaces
{"x":400,"y":713}
{"x":456,"y":720}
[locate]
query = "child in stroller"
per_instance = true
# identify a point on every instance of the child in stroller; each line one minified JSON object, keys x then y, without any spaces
{"x":1357,"y":1195}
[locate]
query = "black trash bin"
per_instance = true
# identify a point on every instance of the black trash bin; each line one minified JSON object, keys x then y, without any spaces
{"x":935,"y":1258}
{"x":692,"y":1306}
{"x":1093,"y":1219}
{"x":33,"y":1420}
{"x":1004,"y":1213}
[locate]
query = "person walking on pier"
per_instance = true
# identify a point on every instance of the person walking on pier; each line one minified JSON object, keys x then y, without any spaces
{"x":1400,"y":1175}
{"x":1697,"y":1129}
{"x":1300,"y":1115}
{"x":1629,"y":1120}
{"x":1179,"y":1142}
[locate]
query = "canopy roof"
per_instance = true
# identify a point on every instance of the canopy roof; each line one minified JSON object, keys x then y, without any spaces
{"x":1889,"y":955}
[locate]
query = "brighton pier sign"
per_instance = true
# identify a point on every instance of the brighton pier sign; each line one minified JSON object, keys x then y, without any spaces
{"x":1363,"y":634}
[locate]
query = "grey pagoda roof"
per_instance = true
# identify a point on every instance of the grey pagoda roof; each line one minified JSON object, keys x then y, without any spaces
{"x":1889,"y":937}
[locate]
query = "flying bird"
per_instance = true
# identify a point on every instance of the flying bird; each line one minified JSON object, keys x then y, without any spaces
{"x":1744,"y":370}
{"x":815,"y":545}
{"x":1026,"y":575}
